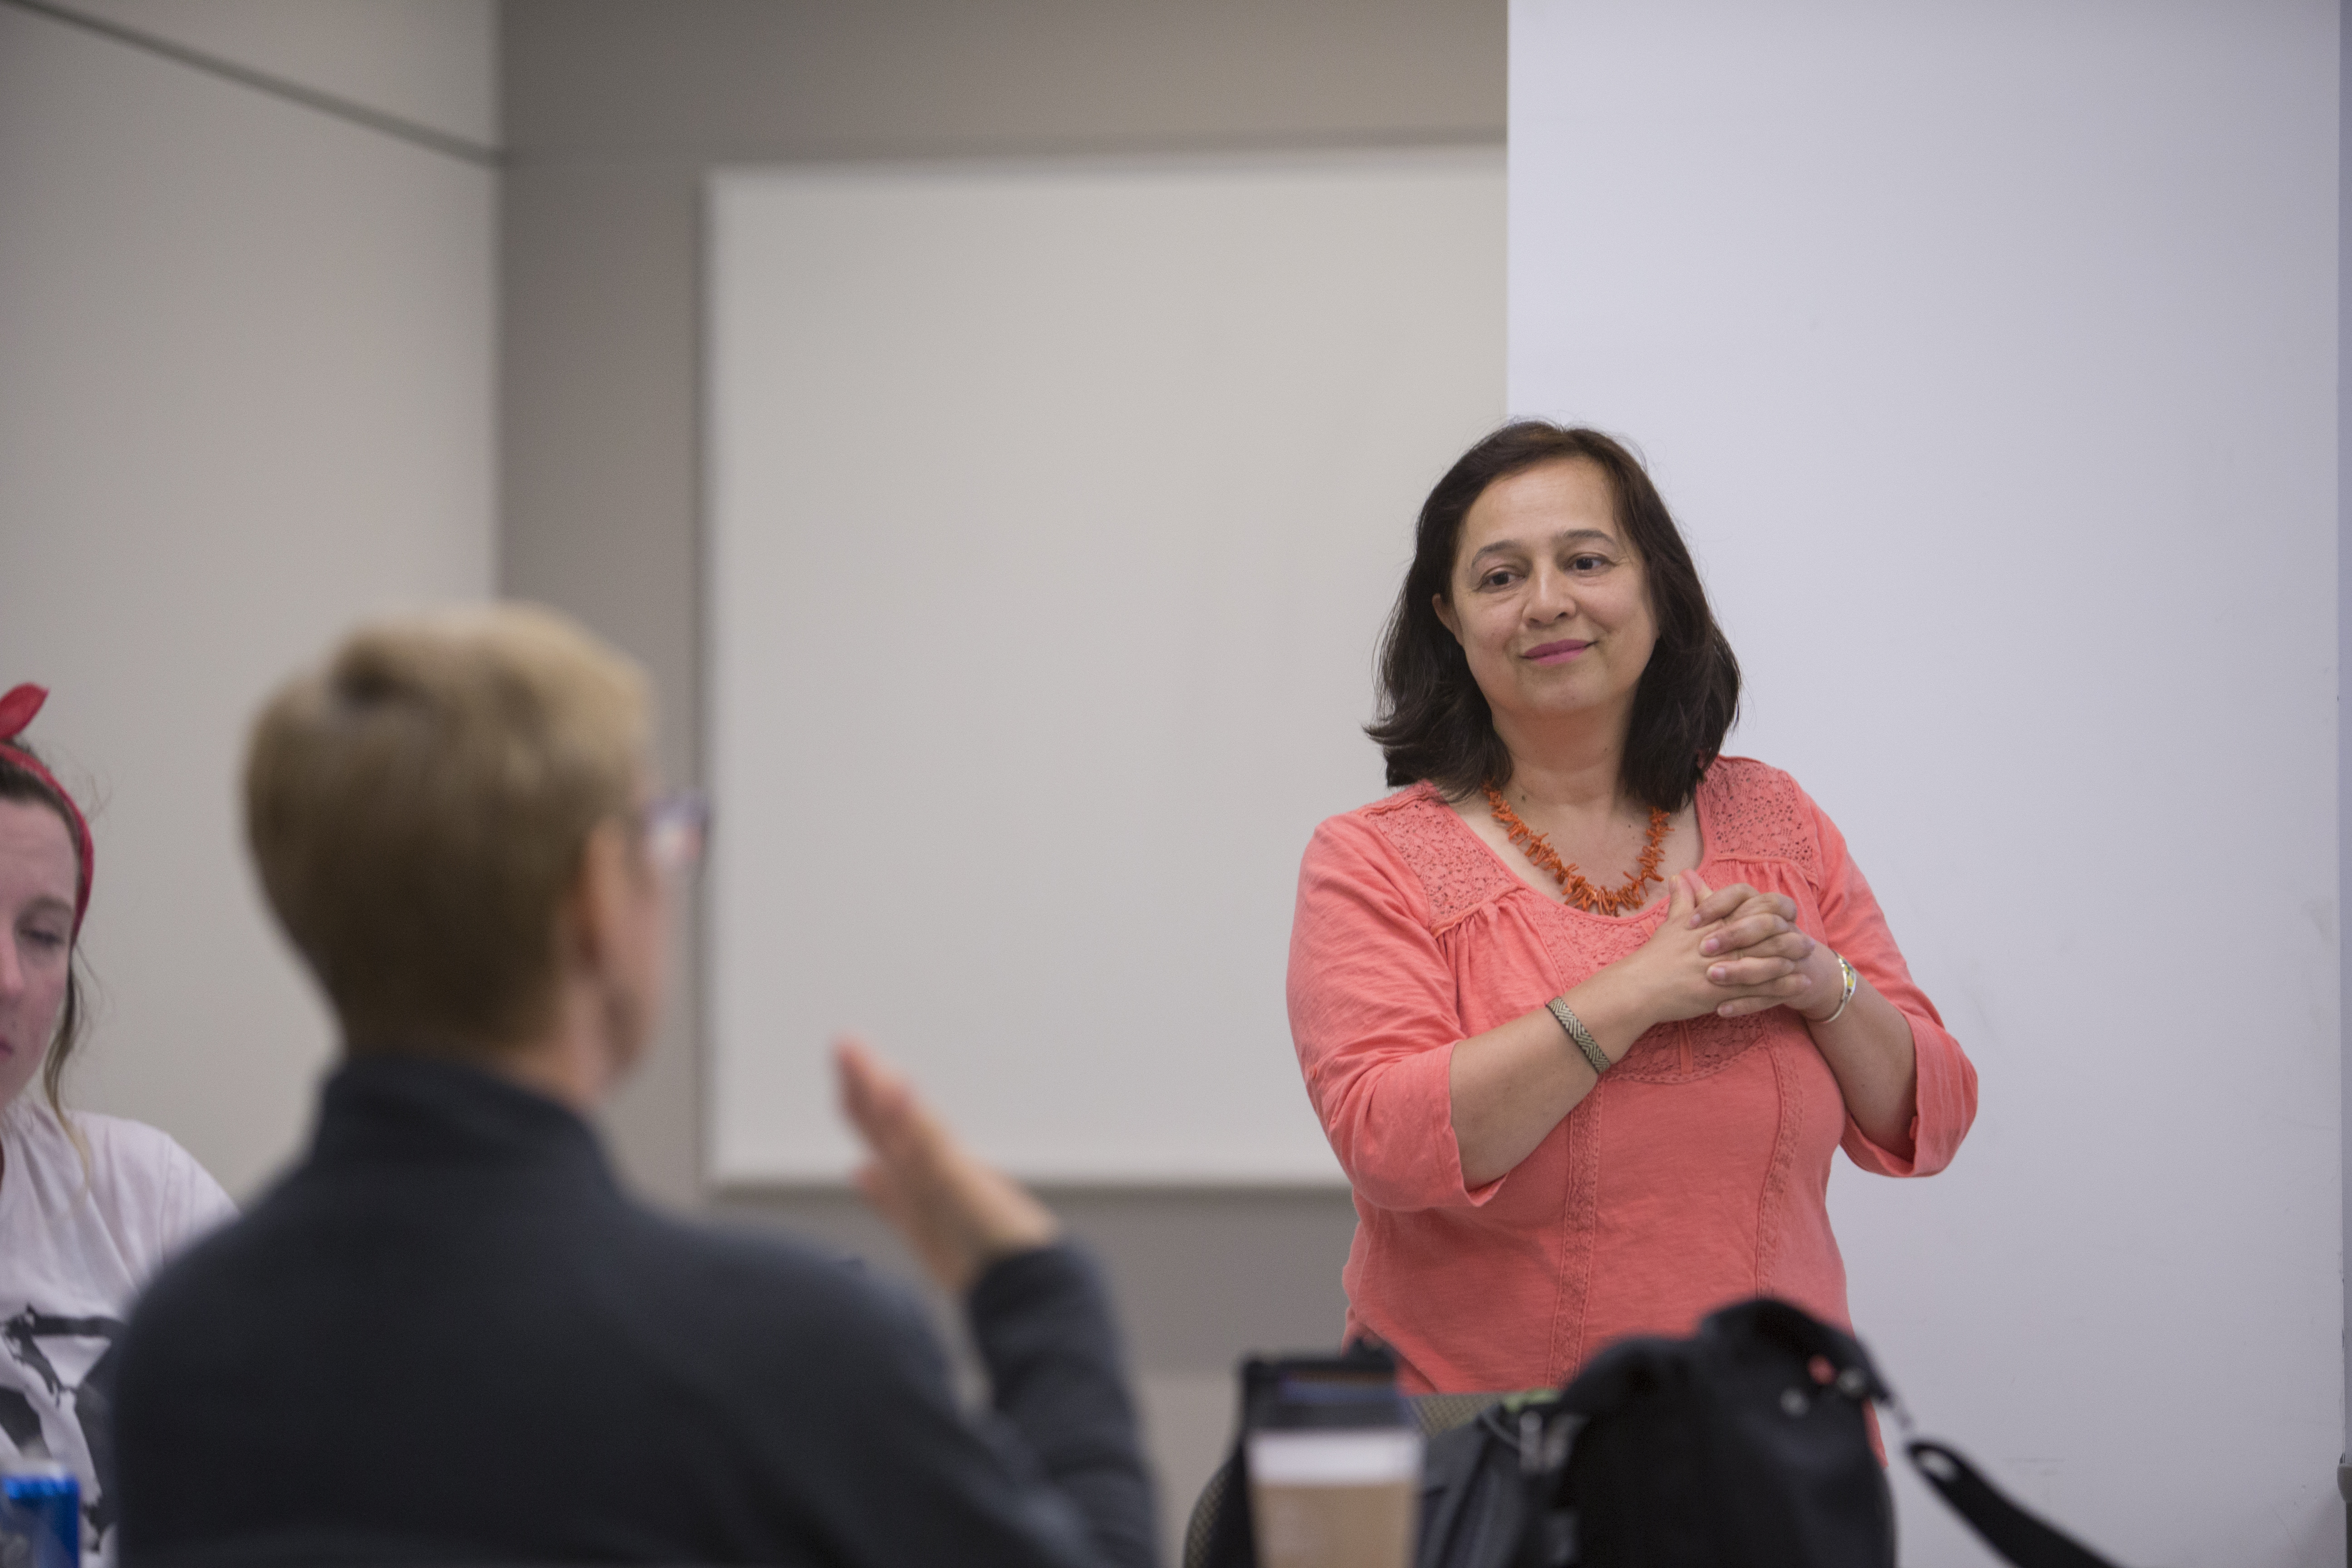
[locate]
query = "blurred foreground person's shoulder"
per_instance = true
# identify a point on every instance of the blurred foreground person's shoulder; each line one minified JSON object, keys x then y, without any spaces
{"x":448,"y":1335}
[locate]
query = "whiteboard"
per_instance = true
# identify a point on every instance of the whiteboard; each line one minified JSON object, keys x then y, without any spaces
{"x":1986,"y":353}
{"x":1052,"y":513}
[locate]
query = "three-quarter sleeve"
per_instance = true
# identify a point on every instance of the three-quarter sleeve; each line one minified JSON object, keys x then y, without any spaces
{"x":1854,"y":927}
{"x":1374,"y":1018}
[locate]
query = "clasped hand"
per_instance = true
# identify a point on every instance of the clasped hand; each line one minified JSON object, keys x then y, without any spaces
{"x":1727,"y":951}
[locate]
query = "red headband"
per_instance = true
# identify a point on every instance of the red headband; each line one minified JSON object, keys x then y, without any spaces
{"x":16,"y":711}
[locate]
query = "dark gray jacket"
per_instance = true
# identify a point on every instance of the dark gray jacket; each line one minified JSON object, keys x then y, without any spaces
{"x":448,"y":1336}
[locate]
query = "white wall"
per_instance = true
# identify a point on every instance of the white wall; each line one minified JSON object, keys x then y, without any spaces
{"x":1088,"y":470}
{"x":248,"y":397}
{"x":1986,"y":353}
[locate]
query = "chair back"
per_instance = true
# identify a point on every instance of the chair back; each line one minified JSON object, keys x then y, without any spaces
{"x":1436,"y":1412}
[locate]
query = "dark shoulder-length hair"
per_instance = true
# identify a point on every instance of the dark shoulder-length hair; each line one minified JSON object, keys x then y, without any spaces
{"x":1434,"y":722}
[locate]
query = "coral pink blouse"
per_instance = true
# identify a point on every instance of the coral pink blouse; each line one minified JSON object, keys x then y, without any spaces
{"x":1695,"y":1173}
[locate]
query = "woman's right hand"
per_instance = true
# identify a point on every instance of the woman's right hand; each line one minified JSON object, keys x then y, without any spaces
{"x":1673,"y":972}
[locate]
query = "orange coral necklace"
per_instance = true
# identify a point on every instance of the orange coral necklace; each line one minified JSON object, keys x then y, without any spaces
{"x":1580,"y":893}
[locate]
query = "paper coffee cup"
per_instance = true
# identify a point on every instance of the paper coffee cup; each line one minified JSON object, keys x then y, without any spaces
{"x":1335,"y":1498}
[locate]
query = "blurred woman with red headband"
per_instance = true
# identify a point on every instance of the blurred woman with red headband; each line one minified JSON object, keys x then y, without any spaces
{"x":89,"y":1206}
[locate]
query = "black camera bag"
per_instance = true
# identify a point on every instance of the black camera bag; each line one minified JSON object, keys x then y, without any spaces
{"x":1745,"y":1446}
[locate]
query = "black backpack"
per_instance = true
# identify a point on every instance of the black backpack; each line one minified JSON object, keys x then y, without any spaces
{"x":1744,"y":1444}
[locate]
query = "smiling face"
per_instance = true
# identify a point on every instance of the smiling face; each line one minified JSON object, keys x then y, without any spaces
{"x":37,"y":875}
{"x":1549,"y":598}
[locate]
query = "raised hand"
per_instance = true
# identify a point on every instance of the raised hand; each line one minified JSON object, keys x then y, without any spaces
{"x":957,"y":1214}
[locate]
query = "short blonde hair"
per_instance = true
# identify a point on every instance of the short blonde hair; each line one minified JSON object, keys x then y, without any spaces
{"x":418,"y":808}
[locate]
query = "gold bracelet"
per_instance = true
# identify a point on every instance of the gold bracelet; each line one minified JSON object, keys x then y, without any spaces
{"x":1568,"y":1020}
{"x":1852,"y":980}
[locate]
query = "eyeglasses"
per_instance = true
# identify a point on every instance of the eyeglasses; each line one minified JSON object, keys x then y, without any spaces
{"x":675,"y":825}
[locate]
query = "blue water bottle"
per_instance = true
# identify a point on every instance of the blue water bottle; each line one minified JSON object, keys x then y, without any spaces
{"x":40,"y":1514}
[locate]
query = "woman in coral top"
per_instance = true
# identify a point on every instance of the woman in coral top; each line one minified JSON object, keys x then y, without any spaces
{"x":1586,"y":1007}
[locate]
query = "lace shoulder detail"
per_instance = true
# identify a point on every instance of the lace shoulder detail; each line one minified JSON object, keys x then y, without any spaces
{"x":1754,"y":812}
{"x":1455,"y":870}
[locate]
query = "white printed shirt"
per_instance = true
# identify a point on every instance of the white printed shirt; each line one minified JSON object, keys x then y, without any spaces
{"x":77,"y":1242}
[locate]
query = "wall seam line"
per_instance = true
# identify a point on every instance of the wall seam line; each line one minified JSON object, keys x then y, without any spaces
{"x":360,"y":114}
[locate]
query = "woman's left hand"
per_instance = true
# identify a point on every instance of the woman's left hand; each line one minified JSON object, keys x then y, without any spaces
{"x":1758,"y":942}
{"x":1871,"y":1048}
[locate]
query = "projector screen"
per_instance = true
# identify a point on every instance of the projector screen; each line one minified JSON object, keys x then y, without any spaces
{"x":1053,"y":514}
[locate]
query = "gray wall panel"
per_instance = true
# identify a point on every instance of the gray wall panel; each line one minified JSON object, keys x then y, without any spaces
{"x":612,"y":110}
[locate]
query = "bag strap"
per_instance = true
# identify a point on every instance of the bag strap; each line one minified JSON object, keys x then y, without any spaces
{"x":2025,"y":1540}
